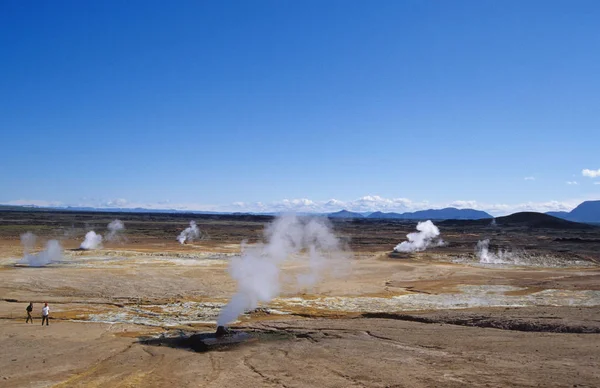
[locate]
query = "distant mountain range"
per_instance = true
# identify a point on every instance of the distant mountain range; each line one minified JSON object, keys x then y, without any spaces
{"x":588,"y":211}
{"x":436,"y":214}
{"x":449,"y":213}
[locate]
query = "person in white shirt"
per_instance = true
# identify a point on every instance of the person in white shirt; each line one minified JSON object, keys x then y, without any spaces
{"x":45,"y":313}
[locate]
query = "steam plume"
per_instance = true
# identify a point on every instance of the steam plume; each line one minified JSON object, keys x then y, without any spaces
{"x":115,"y":228}
{"x":421,"y":240}
{"x":257,"y":271}
{"x":500,"y":257}
{"x":53,"y":251}
{"x":189,"y":234}
{"x":522,"y":257}
{"x":92,"y":241}
{"x":28,"y":241}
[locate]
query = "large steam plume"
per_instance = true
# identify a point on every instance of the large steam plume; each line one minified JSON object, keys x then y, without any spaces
{"x":257,"y":271}
{"x":421,"y":240}
{"x":115,"y":230}
{"x":53,"y":251}
{"x":189,"y":234}
{"x":92,"y":241}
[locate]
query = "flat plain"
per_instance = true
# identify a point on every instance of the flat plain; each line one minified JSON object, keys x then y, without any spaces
{"x":141,"y":311}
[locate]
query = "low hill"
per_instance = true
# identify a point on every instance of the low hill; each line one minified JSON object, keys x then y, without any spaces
{"x":538,"y":220}
{"x":449,"y":213}
{"x":523,"y":219}
{"x":345,"y":214}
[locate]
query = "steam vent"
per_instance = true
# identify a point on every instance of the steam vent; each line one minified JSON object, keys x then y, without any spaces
{"x":221,"y":331}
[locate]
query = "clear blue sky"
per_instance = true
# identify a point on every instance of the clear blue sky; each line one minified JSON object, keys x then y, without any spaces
{"x":217,"y":102}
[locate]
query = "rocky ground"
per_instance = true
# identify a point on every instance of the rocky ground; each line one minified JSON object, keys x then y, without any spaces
{"x":363,"y":352}
{"x":141,"y":312}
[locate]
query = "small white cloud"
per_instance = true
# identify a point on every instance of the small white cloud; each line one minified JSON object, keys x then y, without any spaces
{"x":597,"y":183}
{"x":572,"y":183}
{"x":118,"y":202}
{"x":464,"y":204}
{"x":33,"y":202}
{"x":591,"y":173}
{"x":529,"y":178}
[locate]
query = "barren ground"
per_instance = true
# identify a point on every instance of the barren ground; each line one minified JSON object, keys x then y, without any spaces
{"x":126,"y":315}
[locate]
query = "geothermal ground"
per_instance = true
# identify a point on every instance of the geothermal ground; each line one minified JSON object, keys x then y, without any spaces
{"x":142,"y":309}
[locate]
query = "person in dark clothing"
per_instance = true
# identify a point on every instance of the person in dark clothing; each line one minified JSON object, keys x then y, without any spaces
{"x":29,"y":310}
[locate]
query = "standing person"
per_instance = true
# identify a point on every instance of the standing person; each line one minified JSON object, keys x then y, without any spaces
{"x":29,"y":310}
{"x":45,"y":313}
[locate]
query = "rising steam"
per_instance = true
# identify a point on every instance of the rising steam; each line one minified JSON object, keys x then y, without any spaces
{"x":190,"y":233}
{"x":520,"y":257}
{"x":115,"y":230}
{"x":421,"y":240}
{"x":257,"y":271}
{"x":28,"y":240}
{"x":512,"y":257}
{"x":486,"y":257}
{"x":92,"y":241}
{"x":53,"y":251}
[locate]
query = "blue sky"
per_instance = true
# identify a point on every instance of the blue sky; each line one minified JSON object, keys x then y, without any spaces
{"x":388,"y":105}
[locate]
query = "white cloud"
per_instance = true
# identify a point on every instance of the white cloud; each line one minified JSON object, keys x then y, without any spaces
{"x":373,"y":203}
{"x":572,"y":183}
{"x":369,"y":203}
{"x":33,"y":202}
{"x":591,"y":173}
{"x":464,"y":204}
{"x":529,"y":178}
{"x":542,"y":207}
{"x":597,"y":183}
{"x":118,"y":202}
